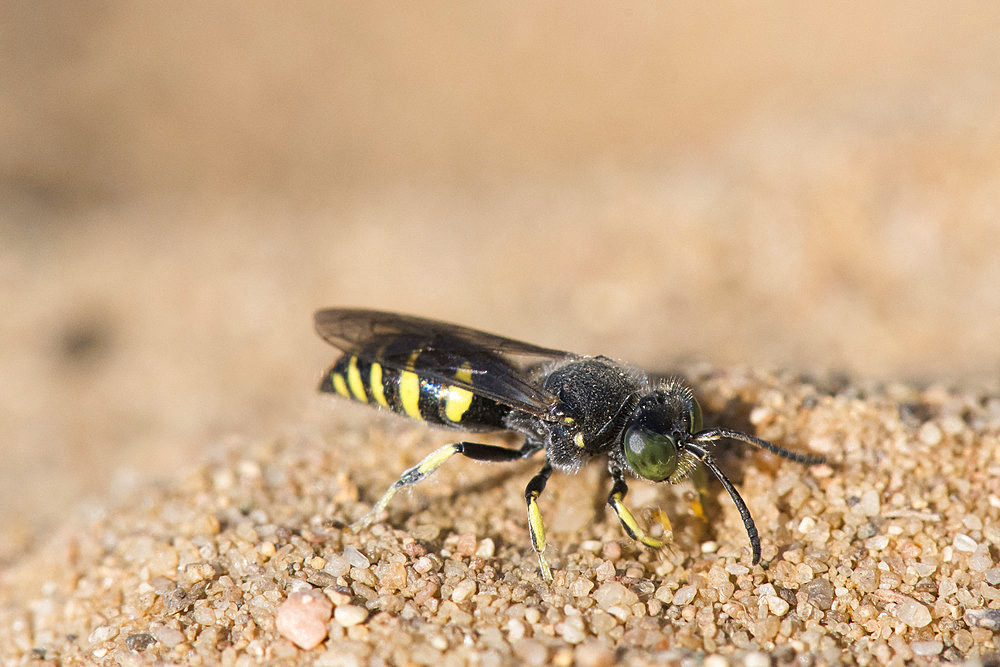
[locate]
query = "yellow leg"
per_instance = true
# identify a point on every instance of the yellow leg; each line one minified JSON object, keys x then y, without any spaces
{"x":631,"y":526}
{"x":417,"y":473}
{"x":434,"y":460}
{"x":535,"y":527}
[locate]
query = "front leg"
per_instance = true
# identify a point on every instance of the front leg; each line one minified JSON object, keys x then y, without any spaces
{"x":616,"y":501}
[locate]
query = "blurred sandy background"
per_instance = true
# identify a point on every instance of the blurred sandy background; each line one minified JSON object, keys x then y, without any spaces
{"x":810,"y":187}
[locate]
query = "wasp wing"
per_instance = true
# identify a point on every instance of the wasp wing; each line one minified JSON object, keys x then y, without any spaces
{"x":486,"y":364}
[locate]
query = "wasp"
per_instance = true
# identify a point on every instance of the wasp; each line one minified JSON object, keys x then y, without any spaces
{"x":572,"y":407}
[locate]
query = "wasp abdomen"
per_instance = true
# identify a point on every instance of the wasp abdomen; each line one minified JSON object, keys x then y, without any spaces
{"x":411,"y":394}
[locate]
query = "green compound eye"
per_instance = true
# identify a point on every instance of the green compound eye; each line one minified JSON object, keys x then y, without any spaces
{"x":695,"y":415}
{"x":652,"y":455}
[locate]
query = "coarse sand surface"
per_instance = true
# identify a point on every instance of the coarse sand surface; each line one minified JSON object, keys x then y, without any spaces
{"x":795,"y":206}
{"x":886,"y":553}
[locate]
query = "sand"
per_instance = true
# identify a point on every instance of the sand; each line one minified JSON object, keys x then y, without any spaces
{"x":794,"y":205}
{"x":885,"y":554}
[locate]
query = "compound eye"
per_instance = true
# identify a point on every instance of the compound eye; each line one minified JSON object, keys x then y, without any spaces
{"x":652,"y":455}
{"x":695,"y":415}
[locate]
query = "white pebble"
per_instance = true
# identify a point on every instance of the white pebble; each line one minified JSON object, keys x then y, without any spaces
{"x":777,"y":606}
{"x":870,"y":504}
{"x":486,"y":548}
{"x":463,"y":590}
{"x":337,"y":566}
{"x":926,"y":648}
{"x":350,"y":614}
{"x":980,"y":561}
{"x":685,"y":594}
{"x":912,"y":613}
{"x":877,"y":543}
{"x":964,"y":543}
{"x":612,"y":594}
{"x":169,"y":637}
{"x":930,"y":433}
{"x":356,"y":558}
{"x":952,"y":424}
{"x":302,"y":618}
{"x":102,"y":633}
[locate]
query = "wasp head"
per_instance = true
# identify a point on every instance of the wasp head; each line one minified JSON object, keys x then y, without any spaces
{"x":661,"y":425}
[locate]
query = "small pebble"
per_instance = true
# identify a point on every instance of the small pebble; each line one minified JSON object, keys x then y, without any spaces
{"x":338,"y":595}
{"x":964,"y":543}
{"x":486,"y":548}
{"x":912,"y":613}
{"x":463,"y":590}
{"x":777,"y":605}
{"x":530,"y":651}
{"x":593,"y":653}
{"x":980,"y":560}
{"x":820,"y":593}
{"x":356,"y":558}
{"x":685,"y":594}
{"x":930,"y":434}
{"x":139,"y":641}
{"x":613,"y":594}
{"x":465,"y":545}
{"x":869,"y":504}
{"x":572,"y":630}
{"x":581,"y":587}
{"x":350,"y":614}
{"x":927,"y":648}
{"x":983,"y":618}
{"x":605,"y":570}
{"x":337,"y":566}
{"x":102,"y":633}
{"x":169,"y":637}
{"x":302,"y":618}
{"x":423,"y":565}
{"x":877,"y":543}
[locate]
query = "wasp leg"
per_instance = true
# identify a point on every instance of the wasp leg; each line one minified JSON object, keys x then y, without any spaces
{"x":434,"y":460}
{"x":535,"y":527}
{"x":631,"y":526}
{"x":741,"y":506}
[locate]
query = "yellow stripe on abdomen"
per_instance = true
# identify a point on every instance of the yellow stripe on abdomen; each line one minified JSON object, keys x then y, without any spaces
{"x":409,"y":393}
{"x":354,"y":381}
{"x":457,"y":400}
{"x":340,"y":385}
{"x":375,"y":384}
{"x":409,"y":388}
{"x":456,"y":403}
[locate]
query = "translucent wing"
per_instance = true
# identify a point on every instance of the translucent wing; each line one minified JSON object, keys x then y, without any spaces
{"x":486,"y":364}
